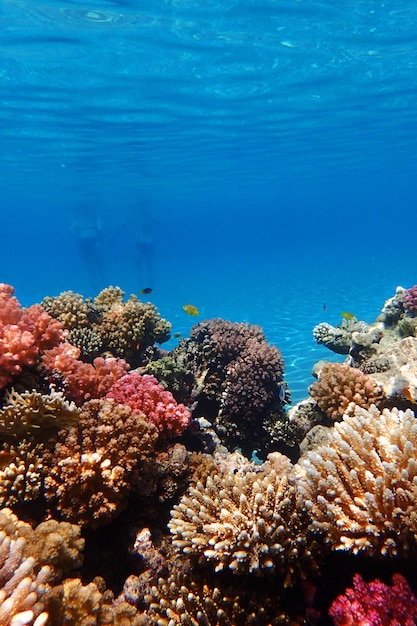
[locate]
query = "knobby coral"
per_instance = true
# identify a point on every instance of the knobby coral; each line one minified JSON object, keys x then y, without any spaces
{"x":341,"y":388}
{"x":360,"y":488}
{"x":92,"y":470}
{"x":376,"y":604}
{"x":146,"y":396}
{"x":24,"y":334}
{"x":410,"y":300}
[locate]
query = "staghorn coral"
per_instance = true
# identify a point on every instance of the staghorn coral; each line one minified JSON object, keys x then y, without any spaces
{"x":376,"y":604}
{"x":341,"y":388}
{"x":92,"y":470}
{"x":23,"y":582}
{"x":35,"y":413}
{"x":146,"y":396}
{"x":360,"y":488}
{"x":82,"y":381}
{"x":242,"y":521}
{"x":24,"y":334}
{"x":237,"y":381}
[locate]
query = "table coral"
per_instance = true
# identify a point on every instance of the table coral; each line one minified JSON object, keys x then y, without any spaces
{"x":360,"y":488}
{"x":341,"y":388}
{"x":24,"y":334}
{"x":376,"y":604}
{"x":242,"y":521}
{"x":82,"y":381}
{"x":146,"y":396}
{"x":92,"y":470}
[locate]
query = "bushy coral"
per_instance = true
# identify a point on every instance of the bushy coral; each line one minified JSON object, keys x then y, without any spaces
{"x":92,"y":470}
{"x":21,"y":474}
{"x":341,"y":388}
{"x":146,"y":396}
{"x":242,"y":521}
{"x":24,"y":334}
{"x":410,"y":300}
{"x":376,"y":604}
{"x":237,"y":381}
{"x":360,"y":488}
{"x":82,"y":381}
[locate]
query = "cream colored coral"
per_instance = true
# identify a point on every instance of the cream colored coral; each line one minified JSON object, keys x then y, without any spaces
{"x":22,"y":587}
{"x":237,"y":520}
{"x":32,"y":411}
{"x":361,"y":487}
{"x":21,"y":479}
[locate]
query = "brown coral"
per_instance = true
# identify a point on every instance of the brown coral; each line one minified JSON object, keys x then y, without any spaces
{"x":242,"y":521}
{"x":69,"y":308}
{"x":340,"y":388}
{"x":92,"y":470}
{"x":360,"y":488}
{"x":21,"y":478}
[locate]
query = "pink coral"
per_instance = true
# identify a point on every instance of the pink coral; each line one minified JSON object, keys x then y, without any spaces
{"x":410,"y":300}
{"x":24,"y":334}
{"x":145,"y":395}
{"x":375,"y":604}
{"x":83,"y":381}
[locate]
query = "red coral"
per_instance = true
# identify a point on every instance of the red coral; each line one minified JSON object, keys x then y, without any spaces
{"x":410,"y":300}
{"x":84,"y":381}
{"x":375,"y":604}
{"x":145,"y":395}
{"x":24,"y":334}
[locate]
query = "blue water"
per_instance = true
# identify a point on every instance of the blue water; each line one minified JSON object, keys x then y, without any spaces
{"x":273,"y":143}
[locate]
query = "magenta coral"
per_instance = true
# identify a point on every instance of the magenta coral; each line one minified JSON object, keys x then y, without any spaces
{"x":24,"y":334}
{"x":145,"y":395}
{"x":410,"y":300}
{"x":375,"y":604}
{"x":83,"y":381}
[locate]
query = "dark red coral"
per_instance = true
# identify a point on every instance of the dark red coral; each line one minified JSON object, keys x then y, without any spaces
{"x":375,"y":604}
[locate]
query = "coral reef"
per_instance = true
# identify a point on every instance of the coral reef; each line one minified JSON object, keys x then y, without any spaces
{"x":340,"y":389}
{"x":360,"y":486}
{"x":91,"y":471}
{"x":338,"y":338}
{"x":410,"y":300}
{"x":376,"y":604}
{"x":146,"y":396}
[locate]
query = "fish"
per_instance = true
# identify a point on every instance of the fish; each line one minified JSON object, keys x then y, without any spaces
{"x":407,"y":393}
{"x":190,"y":309}
{"x":146,"y":290}
{"x":177,"y":335}
{"x":348,"y":316}
{"x":281,"y":393}
{"x":5,"y":459}
{"x":324,"y":306}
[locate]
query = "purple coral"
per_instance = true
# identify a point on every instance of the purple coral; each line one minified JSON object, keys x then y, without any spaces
{"x":375,"y":604}
{"x":410,"y":300}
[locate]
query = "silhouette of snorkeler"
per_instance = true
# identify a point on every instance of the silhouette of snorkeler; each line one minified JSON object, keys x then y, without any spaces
{"x":87,"y":229}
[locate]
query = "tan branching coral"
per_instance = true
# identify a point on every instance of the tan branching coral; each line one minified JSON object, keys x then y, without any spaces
{"x":92,"y":470}
{"x":341,"y":388}
{"x":360,"y":488}
{"x":242,"y":521}
{"x":21,"y":474}
{"x":69,"y":308}
{"x":35,"y":413}
{"x":23,"y":583}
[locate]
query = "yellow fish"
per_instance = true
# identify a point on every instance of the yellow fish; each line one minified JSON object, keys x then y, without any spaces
{"x":190,"y":309}
{"x":348,"y":316}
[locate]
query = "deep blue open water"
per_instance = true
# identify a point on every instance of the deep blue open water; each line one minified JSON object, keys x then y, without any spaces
{"x":270,"y":147}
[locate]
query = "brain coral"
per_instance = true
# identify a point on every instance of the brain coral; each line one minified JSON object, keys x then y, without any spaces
{"x":242,"y":521}
{"x":340,"y":388}
{"x":238,"y":381}
{"x":360,"y":488}
{"x":146,"y":396}
{"x":92,"y":470}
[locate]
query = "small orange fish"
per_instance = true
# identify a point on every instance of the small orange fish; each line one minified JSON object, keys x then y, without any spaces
{"x":407,"y":393}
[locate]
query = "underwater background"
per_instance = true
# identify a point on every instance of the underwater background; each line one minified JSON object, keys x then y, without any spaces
{"x":272,"y":143}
